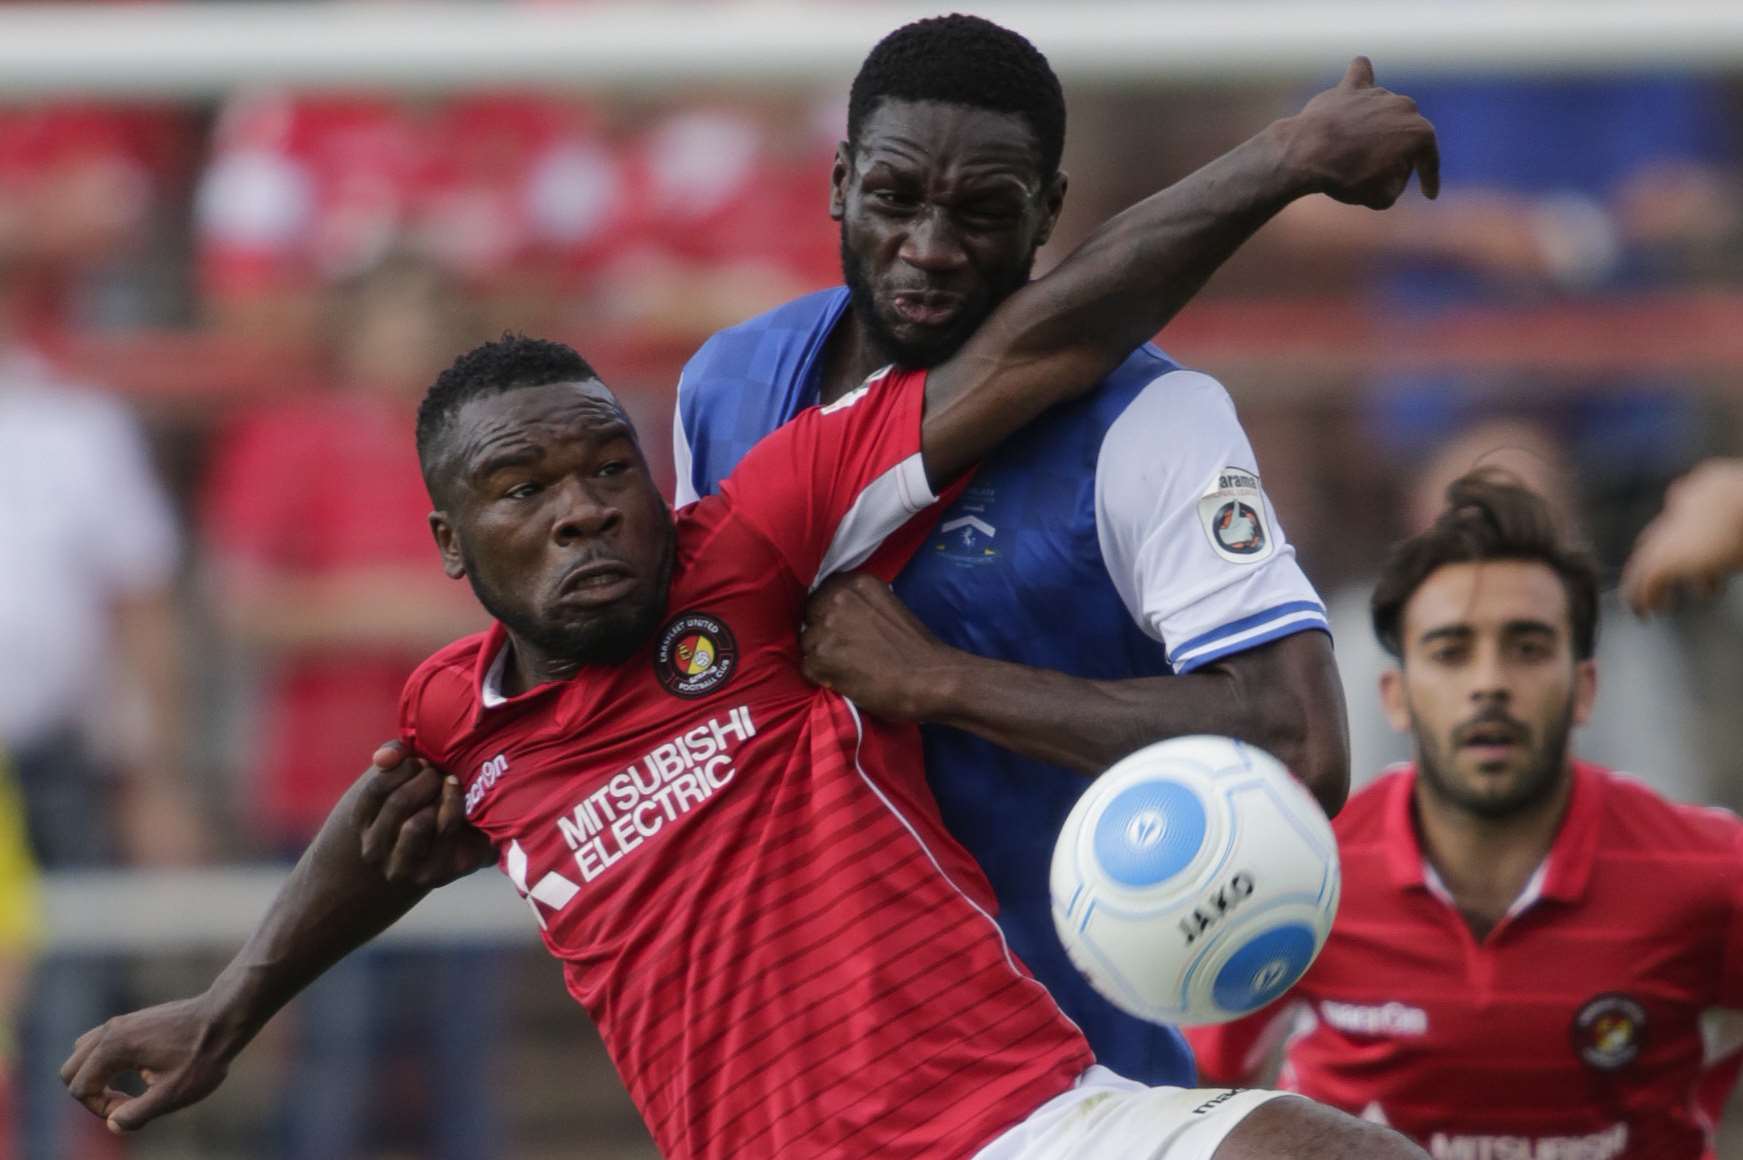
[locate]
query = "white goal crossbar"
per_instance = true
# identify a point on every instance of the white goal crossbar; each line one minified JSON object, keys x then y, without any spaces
{"x":202,"y":49}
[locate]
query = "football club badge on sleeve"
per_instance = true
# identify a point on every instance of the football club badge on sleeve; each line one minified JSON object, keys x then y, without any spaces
{"x":1234,"y":514}
{"x":696,"y":655}
{"x":1608,"y":1031}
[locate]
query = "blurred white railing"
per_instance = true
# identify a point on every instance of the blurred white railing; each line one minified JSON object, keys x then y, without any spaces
{"x":138,"y":912}
{"x":186,"y":49}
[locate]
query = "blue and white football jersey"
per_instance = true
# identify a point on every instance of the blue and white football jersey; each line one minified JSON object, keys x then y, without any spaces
{"x":1122,"y":535}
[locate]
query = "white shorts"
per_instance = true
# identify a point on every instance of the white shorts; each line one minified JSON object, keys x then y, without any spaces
{"x":1108,"y":1117}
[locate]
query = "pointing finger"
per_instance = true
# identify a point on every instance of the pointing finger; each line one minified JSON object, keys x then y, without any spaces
{"x":1428,"y":165}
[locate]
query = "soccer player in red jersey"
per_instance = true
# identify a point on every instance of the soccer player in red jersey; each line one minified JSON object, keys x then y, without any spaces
{"x":748,"y":885}
{"x":1534,"y":957}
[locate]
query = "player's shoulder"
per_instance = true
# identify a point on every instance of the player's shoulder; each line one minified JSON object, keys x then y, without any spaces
{"x":731,"y":350}
{"x":442,"y":692}
{"x":1150,"y":393}
{"x":1148,"y":377}
{"x":1639,"y":817}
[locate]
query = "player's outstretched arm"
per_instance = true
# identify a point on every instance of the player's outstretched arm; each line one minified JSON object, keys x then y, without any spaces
{"x":1058,"y":336}
{"x":332,"y":903}
{"x":1694,"y":544}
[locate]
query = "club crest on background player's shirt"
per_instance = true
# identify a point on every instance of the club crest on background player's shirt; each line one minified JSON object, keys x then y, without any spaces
{"x":696,"y":655}
{"x":1232,"y":510}
{"x":968,"y":538}
{"x":1608,"y":1031}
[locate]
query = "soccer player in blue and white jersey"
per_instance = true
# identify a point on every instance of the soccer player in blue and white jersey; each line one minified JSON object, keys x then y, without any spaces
{"x":1113,"y":576}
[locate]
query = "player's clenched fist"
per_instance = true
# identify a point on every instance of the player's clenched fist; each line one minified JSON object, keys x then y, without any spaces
{"x":862,"y":642}
{"x":411,"y":820}
{"x":175,"y":1047}
{"x":1359,"y":143}
{"x":1694,"y":544}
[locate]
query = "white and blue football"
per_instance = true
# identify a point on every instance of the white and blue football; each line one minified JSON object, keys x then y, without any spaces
{"x":1195,"y":881}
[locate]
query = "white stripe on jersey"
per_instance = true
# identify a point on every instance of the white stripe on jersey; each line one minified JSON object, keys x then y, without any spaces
{"x":887,"y":503}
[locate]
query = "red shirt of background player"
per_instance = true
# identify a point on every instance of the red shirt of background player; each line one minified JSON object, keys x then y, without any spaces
{"x":1574,"y":1029}
{"x":306,"y":490}
{"x":747,"y":883}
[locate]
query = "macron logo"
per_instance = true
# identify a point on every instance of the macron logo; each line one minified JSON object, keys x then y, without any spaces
{"x":488,"y":775}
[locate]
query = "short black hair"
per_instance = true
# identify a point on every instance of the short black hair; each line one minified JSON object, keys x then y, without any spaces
{"x":963,"y":60}
{"x":1489,"y":516}
{"x":509,"y":363}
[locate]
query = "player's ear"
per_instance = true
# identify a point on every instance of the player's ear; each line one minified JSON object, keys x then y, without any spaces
{"x":1393,"y":700}
{"x":448,"y":544}
{"x":838,"y":175}
{"x":1052,"y":201}
{"x":1585,"y":690}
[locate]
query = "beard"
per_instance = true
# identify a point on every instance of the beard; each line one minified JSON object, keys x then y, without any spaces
{"x":1537,"y":782}
{"x":610,"y":636}
{"x":927,"y":352}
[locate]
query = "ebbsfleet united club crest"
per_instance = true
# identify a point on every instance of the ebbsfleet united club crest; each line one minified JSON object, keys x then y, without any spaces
{"x":1608,"y":1031}
{"x":1234,"y":514}
{"x":696,"y":655}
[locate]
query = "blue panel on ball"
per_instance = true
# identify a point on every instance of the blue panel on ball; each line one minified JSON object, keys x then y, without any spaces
{"x":1149,"y":833}
{"x":1264,"y":968}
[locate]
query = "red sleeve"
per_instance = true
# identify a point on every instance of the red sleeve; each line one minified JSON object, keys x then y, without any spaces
{"x":1234,"y":1054}
{"x":1731,"y":969}
{"x":436,"y":707}
{"x":829,"y":488}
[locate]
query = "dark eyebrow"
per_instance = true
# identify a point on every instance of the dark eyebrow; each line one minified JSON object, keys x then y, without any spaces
{"x":498,"y":461}
{"x":1456,"y":632}
{"x":1529,"y":627}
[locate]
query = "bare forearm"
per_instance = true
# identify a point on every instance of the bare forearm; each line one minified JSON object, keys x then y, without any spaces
{"x":1139,"y":268}
{"x":331,"y":904}
{"x":1087,"y":725}
{"x":1058,"y":336}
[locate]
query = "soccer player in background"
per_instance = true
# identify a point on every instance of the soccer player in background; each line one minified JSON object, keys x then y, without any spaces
{"x":1139,"y":508}
{"x":747,"y":883}
{"x":1533,"y":956}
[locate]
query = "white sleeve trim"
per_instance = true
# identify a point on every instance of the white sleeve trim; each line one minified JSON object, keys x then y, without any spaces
{"x":885,"y":504}
{"x":684,"y":487}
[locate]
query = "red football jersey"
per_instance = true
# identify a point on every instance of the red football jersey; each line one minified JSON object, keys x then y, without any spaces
{"x":747,"y":882}
{"x":1591,"y":1024}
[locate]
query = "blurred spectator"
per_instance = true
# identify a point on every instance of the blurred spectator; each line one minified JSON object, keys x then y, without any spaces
{"x":1645,"y":719}
{"x":80,"y":189}
{"x":90,"y":671}
{"x":671,"y":221}
{"x":725,"y":215}
{"x":320,"y":550}
{"x":1552,"y":188}
{"x":306,"y":191}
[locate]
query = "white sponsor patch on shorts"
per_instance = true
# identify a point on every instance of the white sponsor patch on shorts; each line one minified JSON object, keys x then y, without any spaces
{"x":1236,"y":517}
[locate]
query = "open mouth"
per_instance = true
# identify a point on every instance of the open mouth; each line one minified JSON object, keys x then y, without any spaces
{"x":926,"y":307}
{"x":1491,"y":740}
